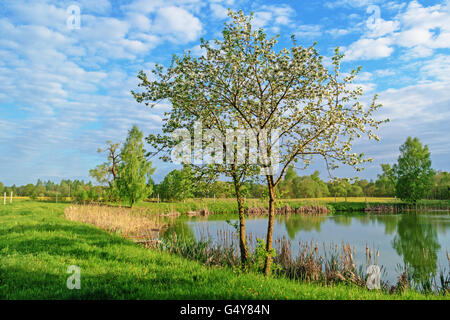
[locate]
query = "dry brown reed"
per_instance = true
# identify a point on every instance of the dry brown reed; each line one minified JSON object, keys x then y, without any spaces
{"x":127,"y":222}
{"x":329,"y":265}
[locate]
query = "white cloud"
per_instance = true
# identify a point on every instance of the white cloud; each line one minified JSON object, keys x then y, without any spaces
{"x":350,"y":3}
{"x":413,"y":37}
{"x":178,"y":24}
{"x":336,"y":32}
{"x":365,"y":49}
{"x":418,"y":30}
{"x":380,"y":27}
{"x":97,"y":6}
{"x":437,"y":68}
{"x":261,"y":19}
{"x":273,"y":16}
{"x":384,"y":73}
{"x":417,"y":52}
{"x":365,"y":76}
{"x":219,"y":11}
{"x":139,"y":21}
{"x":418,"y":103}
{"x":308,"y":31}
{"x":197,"y":51}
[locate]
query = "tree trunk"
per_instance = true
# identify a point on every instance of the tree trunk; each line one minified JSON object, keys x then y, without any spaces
{"x":267,"y":266}
{"x":242,"y":239}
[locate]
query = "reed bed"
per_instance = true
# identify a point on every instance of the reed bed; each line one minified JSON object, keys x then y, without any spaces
{"x":120,"y":220}
{"x":326,"y":264}
{"x":203,"y":251}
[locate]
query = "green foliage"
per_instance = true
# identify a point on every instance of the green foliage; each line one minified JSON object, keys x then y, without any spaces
{"x":347,"y":206}
{"x":177,"y":185}
{"x":260,"y":255}
{"x":385,"y":184}
{"x":413,"y":173}
{"x":441,"y":188}
{"x":339,"y":188}
{"x":100,"y":173}
{"x":82,"y":196}
{"x":295,"y":186}
{"x":134,"y":170}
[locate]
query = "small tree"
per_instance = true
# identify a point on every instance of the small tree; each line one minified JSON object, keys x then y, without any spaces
{"x":134,"y":170}
{"x":413,"y":173}
{"x":107,"y":172}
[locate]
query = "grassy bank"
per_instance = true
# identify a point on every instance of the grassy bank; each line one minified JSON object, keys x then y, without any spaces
{"x":37,"y":245}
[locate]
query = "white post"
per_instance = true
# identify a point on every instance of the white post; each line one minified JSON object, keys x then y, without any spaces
{"x":10,"y":200}
{"x":4,"y":198}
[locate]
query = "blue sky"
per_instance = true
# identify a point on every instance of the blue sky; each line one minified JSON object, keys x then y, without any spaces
{"x":64,"y":92}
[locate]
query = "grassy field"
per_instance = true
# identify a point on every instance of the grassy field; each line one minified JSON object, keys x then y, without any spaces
{"x":37,"y":245}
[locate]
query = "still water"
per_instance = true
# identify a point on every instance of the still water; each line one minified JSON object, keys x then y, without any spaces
{"x":418,"y":241}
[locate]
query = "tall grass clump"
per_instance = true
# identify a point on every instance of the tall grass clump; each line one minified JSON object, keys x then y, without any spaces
{"x":203,"y":251}
{"x":332,"y":264}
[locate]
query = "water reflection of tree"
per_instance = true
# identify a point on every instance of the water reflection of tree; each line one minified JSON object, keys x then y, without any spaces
{"x":345,"y":220}
{"x":180,"y":228}
{"x":389,"y":221}
{"x":295,"y":224}
{"x":416,"y":241}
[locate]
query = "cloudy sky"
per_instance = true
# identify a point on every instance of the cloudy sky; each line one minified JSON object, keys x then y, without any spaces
{"x":65,"y":91}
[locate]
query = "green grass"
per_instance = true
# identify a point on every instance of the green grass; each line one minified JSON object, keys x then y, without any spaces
{"x":37,"y":245}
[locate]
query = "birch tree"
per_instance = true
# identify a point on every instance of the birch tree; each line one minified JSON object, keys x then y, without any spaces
{"x":134,"y":171}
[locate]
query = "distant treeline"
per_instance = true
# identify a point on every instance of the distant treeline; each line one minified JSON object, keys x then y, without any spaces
{"x":180,"y":184}
{"x":75,"y":189}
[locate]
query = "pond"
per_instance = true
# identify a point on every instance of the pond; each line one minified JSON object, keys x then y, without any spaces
{"x":418,"y":241}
